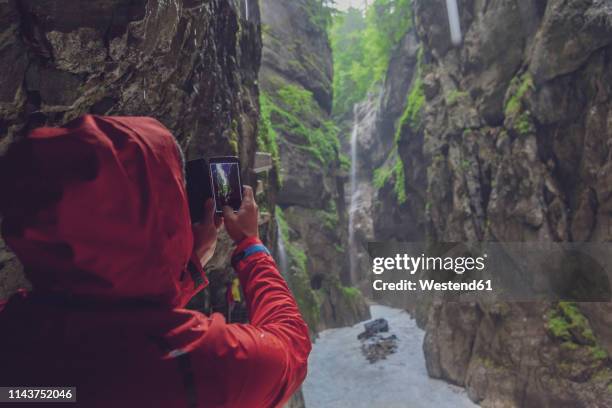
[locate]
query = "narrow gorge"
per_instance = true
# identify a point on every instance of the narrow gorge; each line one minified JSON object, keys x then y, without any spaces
{"x":380,"y":128}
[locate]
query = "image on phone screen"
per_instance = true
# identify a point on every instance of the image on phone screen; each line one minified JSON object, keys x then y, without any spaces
{"x":226,"y":185}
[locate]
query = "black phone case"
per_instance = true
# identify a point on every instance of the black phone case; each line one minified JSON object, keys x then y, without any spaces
{"x":197,"y":175}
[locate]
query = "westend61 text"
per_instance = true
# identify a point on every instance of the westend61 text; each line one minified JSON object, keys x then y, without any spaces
{"x":431,"y":285}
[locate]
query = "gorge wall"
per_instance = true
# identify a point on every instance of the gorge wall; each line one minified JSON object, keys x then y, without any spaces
{"x":309,"y":175}
{"x":505,"y":138}
{"x":191,"y":64}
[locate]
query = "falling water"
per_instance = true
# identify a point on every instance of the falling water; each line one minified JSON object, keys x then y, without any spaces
{"x":246,"y":8}
{"x":282,"y":253}
{"x":353,"y":204}
{"x":453,"y":21}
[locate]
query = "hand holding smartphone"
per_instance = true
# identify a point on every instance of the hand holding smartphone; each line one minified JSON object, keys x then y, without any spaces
{"x":217,"y":178}
{"x":225,"y":182}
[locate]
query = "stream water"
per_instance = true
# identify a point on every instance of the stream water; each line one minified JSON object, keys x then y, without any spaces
{"x":339,"y":376}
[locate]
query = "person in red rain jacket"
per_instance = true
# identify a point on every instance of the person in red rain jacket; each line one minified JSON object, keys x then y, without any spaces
{"x":97,"y":213}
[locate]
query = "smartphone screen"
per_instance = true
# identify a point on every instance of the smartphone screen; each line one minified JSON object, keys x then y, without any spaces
{"x":225,"y":182}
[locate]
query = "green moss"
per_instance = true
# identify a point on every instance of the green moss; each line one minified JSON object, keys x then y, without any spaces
{"x":381,"y":176}
{"x":392,"y":174}
{"x":524,"y":124}
{"x":522,"y":84}
{"x":411,"y":116}
{"x":345,"y":162}
{"x":296,"y":113}
{"x":598,"y":353}
{"x":350,"y":293}
{"x":567,"y":318}
{"x":454,"y":96}
{"x":490,"y":363}
{"x":400,"y":181}
{"x":330,"y":218}
{"x":266,"y":135}
{"x":299,"y":281}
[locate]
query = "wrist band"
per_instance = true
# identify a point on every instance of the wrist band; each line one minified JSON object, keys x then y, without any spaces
{"x":253,"y":249}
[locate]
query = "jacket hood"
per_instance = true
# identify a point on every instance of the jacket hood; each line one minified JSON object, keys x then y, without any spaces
{"x":98,"y":209}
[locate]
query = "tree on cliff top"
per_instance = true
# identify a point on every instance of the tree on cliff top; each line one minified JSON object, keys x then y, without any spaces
{"x":362,"y":46}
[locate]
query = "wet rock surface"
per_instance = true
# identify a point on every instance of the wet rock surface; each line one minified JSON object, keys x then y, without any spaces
{"x":309,"y":195}
{"x":191,"y":64}
{"x":510,"y":143}
{"x":378,"y":347}
{"x":375,"y":345}
{"x":506,"y":143}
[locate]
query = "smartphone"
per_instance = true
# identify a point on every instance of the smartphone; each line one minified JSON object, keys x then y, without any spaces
{"x":197,"y":175}
{"x":225,"y":182}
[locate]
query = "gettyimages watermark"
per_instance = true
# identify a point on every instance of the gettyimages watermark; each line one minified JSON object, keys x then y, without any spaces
{"x":497,"y":271}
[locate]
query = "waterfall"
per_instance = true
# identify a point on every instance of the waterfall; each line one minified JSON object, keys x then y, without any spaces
{"x":246,"y":10}
{"x":453,"y":21}
{"x":283,"y":262}
{"x":353,"y":205}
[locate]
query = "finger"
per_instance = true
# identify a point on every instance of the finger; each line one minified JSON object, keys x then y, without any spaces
{"x":248,"y":194}
{"x":218,"y":221}
{"x":228,"y":214}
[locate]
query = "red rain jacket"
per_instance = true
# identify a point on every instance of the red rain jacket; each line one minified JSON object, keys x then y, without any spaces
{"x":97,"y":213}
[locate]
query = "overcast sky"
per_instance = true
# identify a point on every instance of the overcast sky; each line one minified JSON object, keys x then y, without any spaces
{"x":345,"y":4}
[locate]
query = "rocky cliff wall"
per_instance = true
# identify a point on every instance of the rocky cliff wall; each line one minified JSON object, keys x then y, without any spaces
{"x":191,"y":64}
{"x":295,"y":78}
{"x":506,"y":138}
{"x":389,"y":198}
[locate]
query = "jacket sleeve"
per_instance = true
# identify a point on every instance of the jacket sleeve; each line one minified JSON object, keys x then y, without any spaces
{"x":263,"y":362}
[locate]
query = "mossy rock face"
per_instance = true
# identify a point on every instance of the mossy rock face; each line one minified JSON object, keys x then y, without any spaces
{"x":296,"y":47}
{"x":137,"y":58}
{"x":566,"y":322}
{"x":313,"y":273}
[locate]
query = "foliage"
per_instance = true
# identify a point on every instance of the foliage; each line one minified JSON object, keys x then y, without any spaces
{"x":350,"y":292}
{"x":566,"y":321}
{"x":523,"y":124}
{"x":412,"y":114}
{"x":320,"y":12}
{"x":329,"y":216}
{"x":299,"y":281}
{"x":362,"y":44}
{"x":454,"y":96}
{"x":522,"y":84}
{"x":297,"y":113}
{"x":266,"y":135}
{"x":392,"y":174}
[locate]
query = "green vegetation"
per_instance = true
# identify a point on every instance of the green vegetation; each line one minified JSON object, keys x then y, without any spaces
{"x":350,"y":292}
{"x":522,"y":84}
{"x":319,"y":13}
{"x":414,"y":107}
{"x":362,"y":44}
{"x":410,"y":121}
{"x":299,"y":281}
{"x":294,"y":111}
{"x":454,"y":96}
{"x":266,"y":136}
{"x":523,"y":124}
{"x":392,"y":174}
{"x":329,"y":216}
{"x":567,"y":323}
